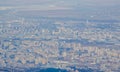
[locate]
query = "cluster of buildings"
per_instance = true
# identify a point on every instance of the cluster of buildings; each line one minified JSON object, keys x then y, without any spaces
{"x":60,"y":44}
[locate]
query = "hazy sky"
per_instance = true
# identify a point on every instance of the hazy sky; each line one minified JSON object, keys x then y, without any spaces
{"x":60,"y":4}
{"x":63,"y":2}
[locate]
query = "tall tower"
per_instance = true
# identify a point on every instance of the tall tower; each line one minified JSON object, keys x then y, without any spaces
{"x":87,"y":21}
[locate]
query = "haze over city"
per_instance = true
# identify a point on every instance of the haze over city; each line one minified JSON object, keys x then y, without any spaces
{"x":59,"y":35}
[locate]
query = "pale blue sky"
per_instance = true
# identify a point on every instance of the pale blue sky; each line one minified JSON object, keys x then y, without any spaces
{"x":63,"y":2}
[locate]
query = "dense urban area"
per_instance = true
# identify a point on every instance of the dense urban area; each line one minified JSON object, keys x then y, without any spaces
{"x":65,"y":43}
{"x":59,"y":36}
